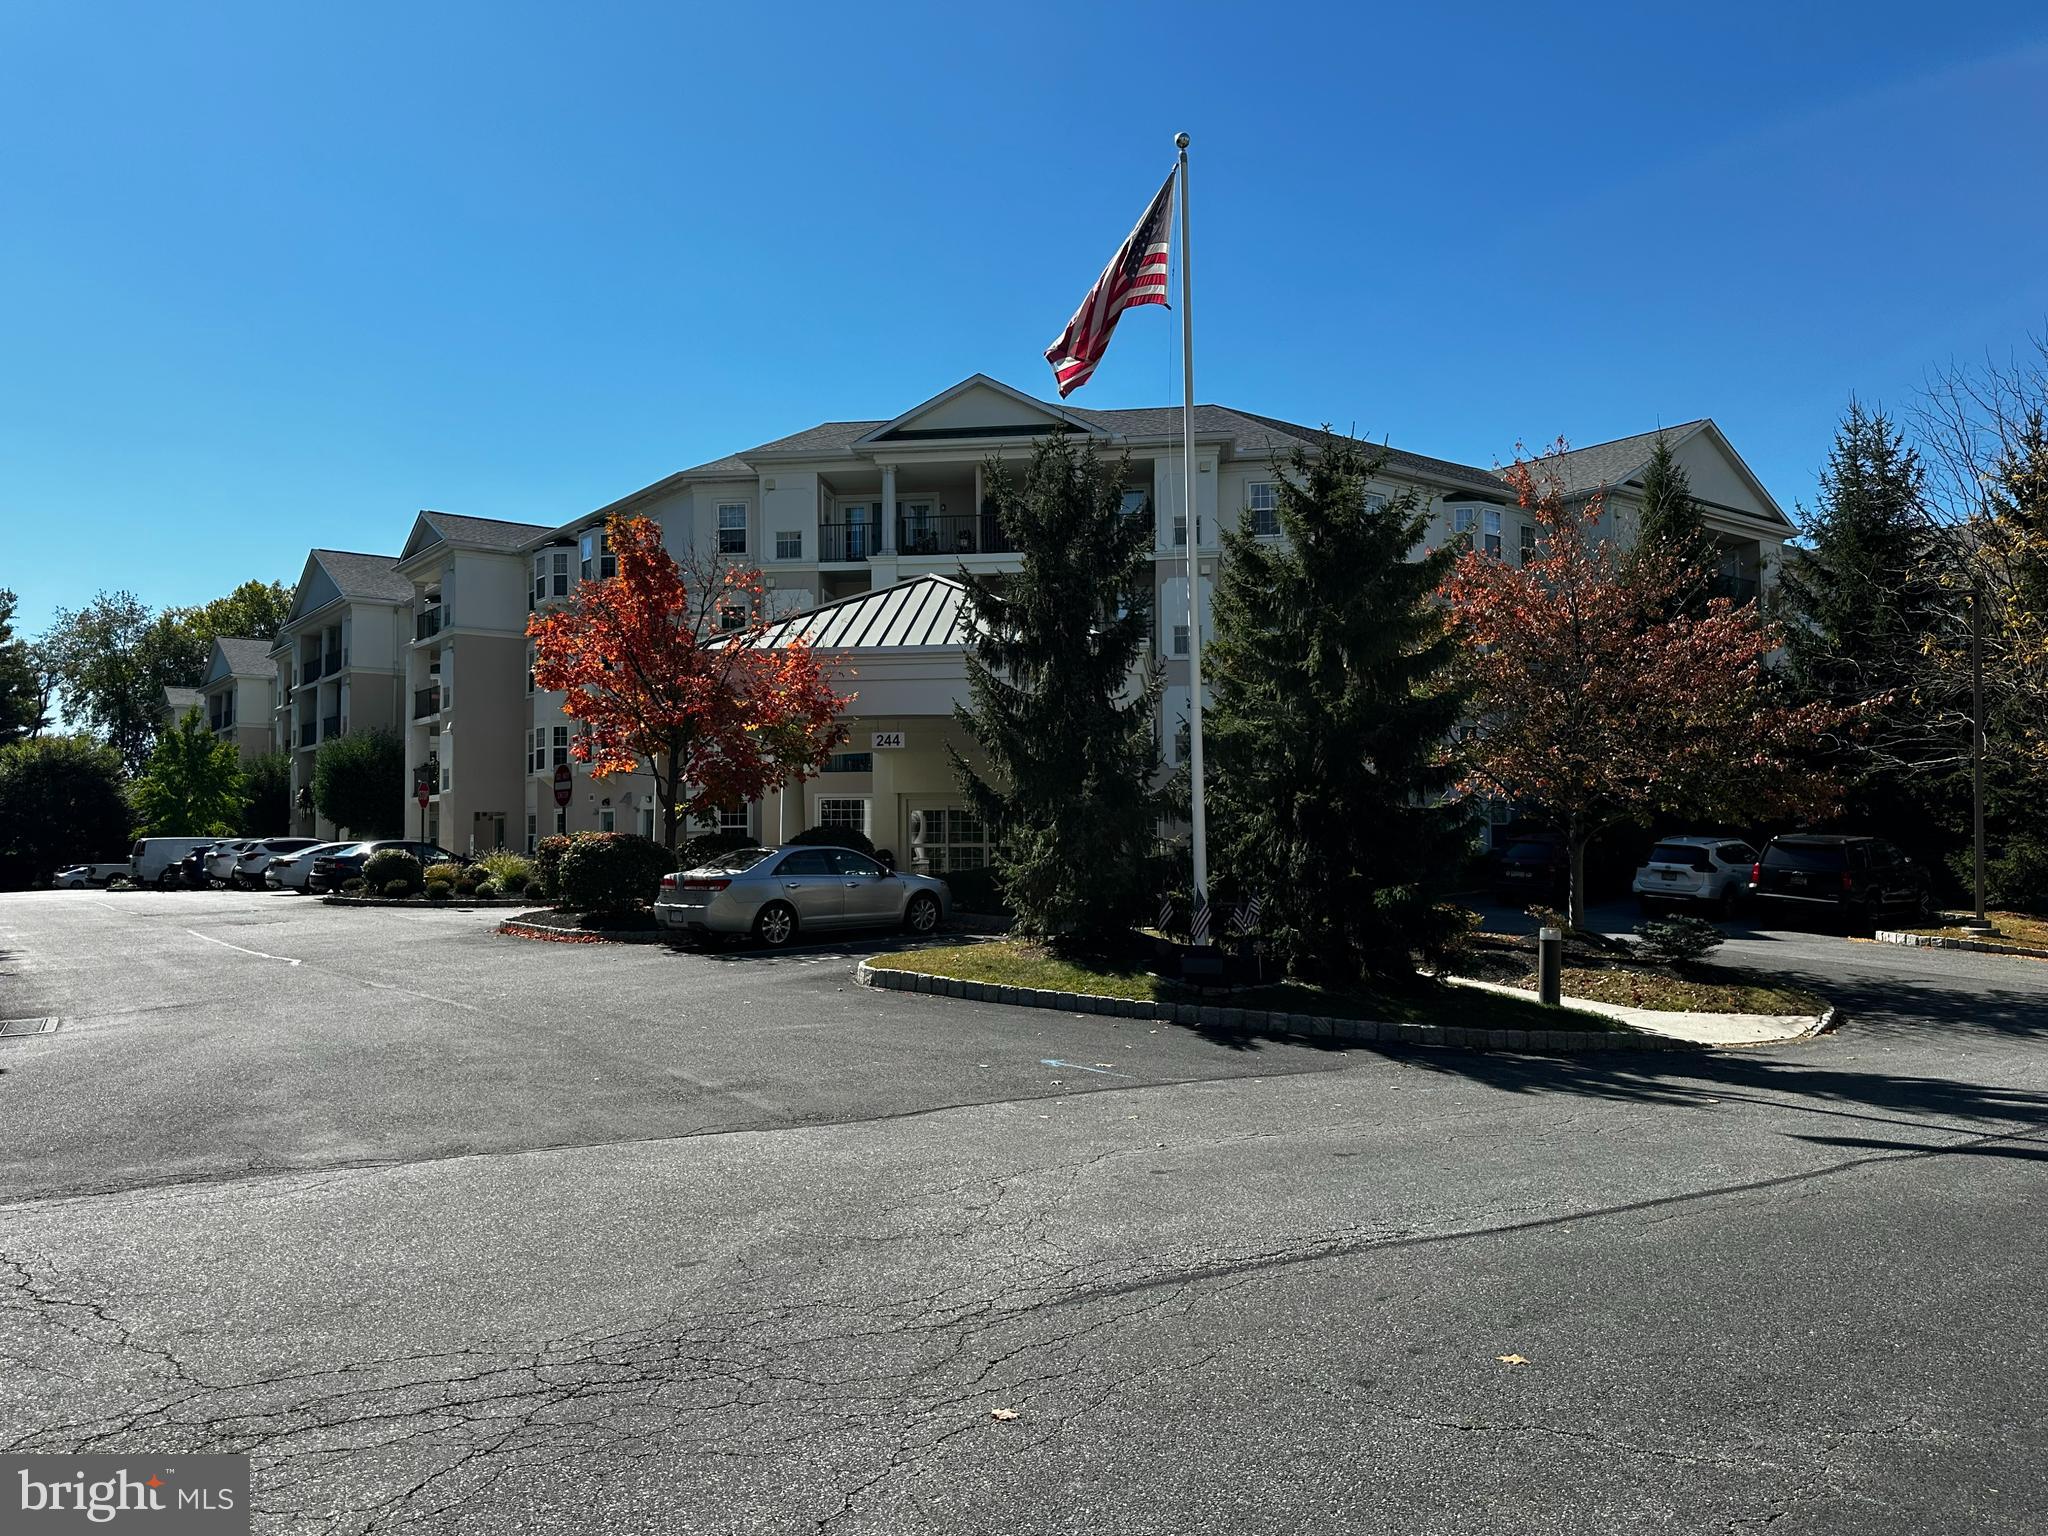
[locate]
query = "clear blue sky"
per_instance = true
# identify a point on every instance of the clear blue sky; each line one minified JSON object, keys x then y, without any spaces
{"x":278,"y":275}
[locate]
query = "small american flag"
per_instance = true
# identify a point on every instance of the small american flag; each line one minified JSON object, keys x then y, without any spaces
{"x":1166,"y":914}
{"x":1198,"y":930}
{"x":1136,"y":274}
{"x":1247,"y":914}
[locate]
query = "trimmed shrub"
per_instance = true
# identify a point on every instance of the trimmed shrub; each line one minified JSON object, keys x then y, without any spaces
{"x":1674,"y":940}
{"x":399,"y":890}
{"x":515,"y":884}
{"x":448,"y":874}
{"x":485,"y":890}
{"x":355,"y":885}
{"x":439,"y":890}
{"x":608,"y":871}
{"x":547,"y":863}
{"x":976,"y":890}
{"x":834,"y":837}
{"x":392,"y":866}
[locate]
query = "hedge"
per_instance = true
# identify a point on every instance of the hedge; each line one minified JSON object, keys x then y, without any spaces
{"x":388,"y":866}
{"x":834,"y":837}
{"x":607,"y":871}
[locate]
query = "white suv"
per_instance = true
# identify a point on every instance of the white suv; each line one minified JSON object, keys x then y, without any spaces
{"x":1707,"y":871}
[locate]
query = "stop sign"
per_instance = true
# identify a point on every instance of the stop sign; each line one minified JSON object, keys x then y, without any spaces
{"x":423,"y":794}
{"x":562,"y":784}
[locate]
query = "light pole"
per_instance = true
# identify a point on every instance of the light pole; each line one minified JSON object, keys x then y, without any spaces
{"x":1979,"y":923}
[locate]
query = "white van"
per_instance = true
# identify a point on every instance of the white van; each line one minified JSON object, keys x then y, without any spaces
{"x":150,"y":861}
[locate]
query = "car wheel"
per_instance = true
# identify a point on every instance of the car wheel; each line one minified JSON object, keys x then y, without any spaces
{"x":775,"y":924}
{"x":922,"y":915}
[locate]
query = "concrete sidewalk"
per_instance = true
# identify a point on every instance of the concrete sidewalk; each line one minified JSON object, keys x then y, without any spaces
{"x":1699,"y":1028}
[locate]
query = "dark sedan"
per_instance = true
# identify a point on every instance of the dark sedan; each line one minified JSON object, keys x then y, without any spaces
{"x":331,"y":871}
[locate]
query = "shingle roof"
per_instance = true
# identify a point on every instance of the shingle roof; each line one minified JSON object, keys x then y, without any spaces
{"x":246,"y":655}
{"x":924,"y":611}
{"x":1615,"y":463}
{"x":178,"y":702}
{"x":490,"y":532}
{"x":374,"y":578}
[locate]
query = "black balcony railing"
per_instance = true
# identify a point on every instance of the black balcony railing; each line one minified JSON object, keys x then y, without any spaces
{"x":336,"y":660}
{"x":307,"y":734}
{"x":425,"y":702}
{"x":962,"y":533}
{"x":331,"y":726}
{"x":839,"y":539}
{"x":427,"y":623}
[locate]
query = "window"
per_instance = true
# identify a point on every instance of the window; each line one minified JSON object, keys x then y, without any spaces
{"x":561,"y":745}
{"x":1463,"y":519}
{"x":735,"y":818}
{"x":1137,"y":503}
{"x":731,"y":616}
{"x":1375,"y":501}
{"x":529,"y":669}
{"x":805,"y":861}
{"x":607,"y":562}
{"x":1489,"y":523}
{"x":850,"y":762}
{"x":532,"y":830}
{"x":1180,"y":639}
{"x":1528,"y":543}
{"x":732,"y":527}
{"x":952,"y":838}
{"x":789,"y":544}
{"x":1264,"y":508}
{"x":607,"y":819}
{"x":850,"y":865}
{"x":647,"y":822}
{"x":540,"y":577}
{"x":1180,"y":530}
{"x":588,"y":549}
{"x":561,"y":822}
{"x":846,"y":814}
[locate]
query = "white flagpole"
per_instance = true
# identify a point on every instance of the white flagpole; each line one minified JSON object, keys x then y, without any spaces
{"x":1198,"y":919}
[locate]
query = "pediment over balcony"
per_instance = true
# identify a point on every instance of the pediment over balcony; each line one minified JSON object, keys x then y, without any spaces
{"x":977,"y":408}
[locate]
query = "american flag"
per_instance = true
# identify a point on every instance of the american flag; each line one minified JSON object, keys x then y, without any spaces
{"x":1136,"y":274}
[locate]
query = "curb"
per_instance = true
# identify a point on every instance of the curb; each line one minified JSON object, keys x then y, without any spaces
{"x":457,"y":902}
{"x":1942,"y":941}
{"x":1256,"y":1020}
{"x":520,"y":930}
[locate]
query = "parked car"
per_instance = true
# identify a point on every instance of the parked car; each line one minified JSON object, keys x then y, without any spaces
{"x":775,"y":894}
{"x":1706,"y":871}
{"x":1534,"y":867}
{"x":1853,"y":880}
{"x":256,"y":858}
{"x":159,"y":860}
{"x":291,"y":871}
{"x":79,"y":876}
{"x":333,"y":870}
{"x":221,"y":859}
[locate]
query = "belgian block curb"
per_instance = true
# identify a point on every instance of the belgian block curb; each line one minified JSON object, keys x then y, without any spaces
{"x":521,"y":930}
{"x":1943,"y":941}
{"x":1259,"y":1021}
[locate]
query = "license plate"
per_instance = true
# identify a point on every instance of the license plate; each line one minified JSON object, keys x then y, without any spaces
{"x":1666,"y":874}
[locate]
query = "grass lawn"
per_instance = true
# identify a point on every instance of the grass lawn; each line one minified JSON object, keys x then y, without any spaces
{"x":2007,"y":927}
{"x":1016,"y":963}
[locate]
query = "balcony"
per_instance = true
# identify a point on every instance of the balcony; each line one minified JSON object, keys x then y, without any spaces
{"x":336,"y":660}
{"x":305,"y":734}
{"x":840,"y":539}
{"x":427,"y":623}
{"x":425,"y":702}
{"x":1737,"y":589}
{"x":330,"y":727}
{"x":959,"y":533}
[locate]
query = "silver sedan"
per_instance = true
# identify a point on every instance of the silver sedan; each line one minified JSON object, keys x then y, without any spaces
{"x":776,"y":894}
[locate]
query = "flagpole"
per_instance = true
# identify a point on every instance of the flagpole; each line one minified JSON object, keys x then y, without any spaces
{"x":1199,"y":918}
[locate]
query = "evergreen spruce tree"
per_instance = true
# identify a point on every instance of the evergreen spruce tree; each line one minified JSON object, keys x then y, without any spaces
{"x":1671,"y":523}
{"x":1335,"y":700}
{"x":1062,"y":695}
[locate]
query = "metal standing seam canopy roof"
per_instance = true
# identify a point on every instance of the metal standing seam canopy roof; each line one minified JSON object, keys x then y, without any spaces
{"x":920,"y":613}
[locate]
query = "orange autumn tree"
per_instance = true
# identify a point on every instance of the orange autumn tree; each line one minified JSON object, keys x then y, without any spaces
{"x":672,"y":670}
{"x":1599,"y":701}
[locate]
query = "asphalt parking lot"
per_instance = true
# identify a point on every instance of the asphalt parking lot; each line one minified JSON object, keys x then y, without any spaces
{"x":456,"y":1232}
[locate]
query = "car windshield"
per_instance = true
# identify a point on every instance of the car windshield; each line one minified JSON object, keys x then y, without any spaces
{"x":1531,"y":853}
{"x":737,"y":862}
{"x":1680,"y":853}
{"x":1824,"y":856}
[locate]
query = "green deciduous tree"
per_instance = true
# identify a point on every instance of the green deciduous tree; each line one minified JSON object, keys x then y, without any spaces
{"x":1062,"y":699}
{"x":359,"y":783}
{"x":1334,"y":701}
{"x":22,"y":701}
{"x":269,"y":810}
{"x":60,"y":803}
{"x":193,"y":786}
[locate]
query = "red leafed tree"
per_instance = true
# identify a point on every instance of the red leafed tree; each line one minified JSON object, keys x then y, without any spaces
{"x":1599,"y":701}
{"x":670,"y":669}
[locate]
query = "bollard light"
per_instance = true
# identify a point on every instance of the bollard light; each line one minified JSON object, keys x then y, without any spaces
{"x":1550,"y":966}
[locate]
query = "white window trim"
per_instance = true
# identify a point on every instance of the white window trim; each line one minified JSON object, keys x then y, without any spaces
{"x":718,"y":528}
{"x":1251,"y":511}
{"x":867,"y":811}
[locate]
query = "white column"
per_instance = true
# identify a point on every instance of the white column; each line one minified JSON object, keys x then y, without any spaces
{"x":888,"y":509}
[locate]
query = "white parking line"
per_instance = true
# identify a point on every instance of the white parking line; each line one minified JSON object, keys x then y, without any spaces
{"x":224,"y":944}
